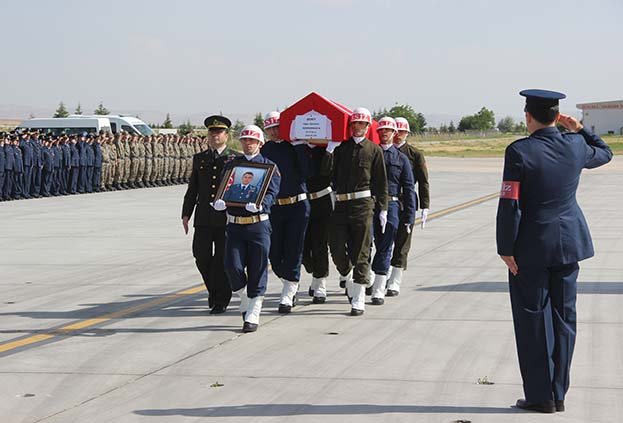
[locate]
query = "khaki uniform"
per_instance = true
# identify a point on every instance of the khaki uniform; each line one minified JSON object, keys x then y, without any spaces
{"x":149,"y":161}
{"x":105,"y":164}
{"x":114,"y":163}
{"x":122,"y":157}
{"x":159,"y":158}
{"x":135,"y":158}
{"x":128,"y":162}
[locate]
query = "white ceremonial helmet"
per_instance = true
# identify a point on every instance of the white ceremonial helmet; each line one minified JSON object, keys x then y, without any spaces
{"x":253,"y":132}
{"x":361,"y":114}
{"x":402,"y":124}
{"x":387,"y":122}
{"x":271,"y":119}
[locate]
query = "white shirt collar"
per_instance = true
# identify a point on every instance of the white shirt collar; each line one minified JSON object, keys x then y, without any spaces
{"x":386,"y":146}
{"x":401,"y":144}
{"x":359,"y":139}
{"x":220,"y":150}
{"x":250,"y":157}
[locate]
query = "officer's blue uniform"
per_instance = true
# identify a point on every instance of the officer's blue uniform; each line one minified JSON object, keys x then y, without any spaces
{"x":289,"y":222}
{"x":97,"y":166}
{"x":241,"y":194}
{"x":90,"y":167}
{"x":36,"y":166}
{"x":65,"y":168}
{"x":400,"y":185}
{"x":75,"y":168}
{"x":18,"y":174}
{"x":57,"y":156}
{"x":247,"y":246}
{"x":48,"y":171}
{"x":27,"y":159}
{"x":2,"y":171}
{"x":83,"y":147}
{"x":540,"y":223}
{"x":9,"y":167}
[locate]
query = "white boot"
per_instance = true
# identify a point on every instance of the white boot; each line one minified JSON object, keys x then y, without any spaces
{"x":314,"y":286}
{"x":358,"y":302}
{"x":244,"y":300}
{"x":252,"y":319}
{"x":288,"y":295}
{"x":370,"y":279}
{"x":320,"y":293}
{"x":344,"y":279}
{"x":378,"y":289}
{"x":393,"y":283}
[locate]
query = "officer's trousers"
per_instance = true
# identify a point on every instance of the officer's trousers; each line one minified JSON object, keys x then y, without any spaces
{"x":18,"y":184}
{"x":82,"y":179}
{"x":402,"y":245}
{"x":316,"y":246}
{"x":56,"y":181}
{"x":89,"y":179}
{"x":544,"y":316}
{"x":97,"y":178}
{"x":8,"y":185}
{"x":289,"y":224}
{"x":36,"y":179}
{"x":209,"y":253}
{"x":1,"y":184}
{"x":46,"y":185}
{"x":246,"y":257}
{"x":27,"y":182}
{"x":73,"y":179}
{"x":350,"y":238}
{"x":383,"y":241}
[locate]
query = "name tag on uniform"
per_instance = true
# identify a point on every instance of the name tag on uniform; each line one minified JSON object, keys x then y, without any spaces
{"x":510,"y":190}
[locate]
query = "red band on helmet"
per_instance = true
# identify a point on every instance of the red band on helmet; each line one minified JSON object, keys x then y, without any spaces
{"x":250,"y":134}
{"x":401,"y":125}
{"x":271,"y":121}
{"x":360,"y":116}
{"x":510,"y":190}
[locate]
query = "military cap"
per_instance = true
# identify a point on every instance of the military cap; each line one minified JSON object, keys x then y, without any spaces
{"x":541,"y":100}
{"x":217,"y":121}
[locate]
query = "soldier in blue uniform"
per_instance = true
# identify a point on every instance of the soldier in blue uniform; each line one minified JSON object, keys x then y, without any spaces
{"x":90,"y":163}
{"x":37,"y":165}
{"x":248,"y":235}
{"x":72,"y":184}
{"x":82,"y":175}
{"x":48,"y":169}
{"x":290,"y":214}
{"x":97,"y":164}
{"x":541,"y":236}
{"x":28,"y":160}
{"x":57,"y":155}
{"x":2,"y":166}
{"x":9,"y":165}
{"x":18,"y":171}
{"x":209,"y":237}
{"x":400,"y":187}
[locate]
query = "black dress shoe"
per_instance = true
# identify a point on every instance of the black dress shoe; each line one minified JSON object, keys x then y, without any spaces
{"x":378,"y":301}
{"x":369,"y":290}
{"x":218,"y":309}
{"x":560,"y":405}
{"x":310,"y":292}
{"x":249,"y":327}
{"x":319,"y":300}
{"x":541,"y":407}
{"x":284,"y":309}
{"x":392,"y":293}
{"x":343,"y":284}
{"x":355,"y":312}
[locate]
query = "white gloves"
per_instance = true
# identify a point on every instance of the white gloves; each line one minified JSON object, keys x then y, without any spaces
{"x":298,"y":142}
{"x":331,"y":146}
{"x":383,"y":220}
{"x":424,"y":217}
{"x":219,"y":205}
{"x":251,"y":207}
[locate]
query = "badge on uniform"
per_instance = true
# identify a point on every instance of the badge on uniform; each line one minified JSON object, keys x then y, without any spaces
{"x":510,"y":190}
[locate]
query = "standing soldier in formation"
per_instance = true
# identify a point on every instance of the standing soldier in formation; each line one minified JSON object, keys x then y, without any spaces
{"x":57,"y":158}
{"x":37,"y":164}
{"x":401,"y":190}
{"x":290,"y":213}
{"x":27,"y":151}
{"x":190,"y":152}
{"x":90,"y":163}
{"x":66,"y":168}
{"x":248,"y":235}
{"x":9,"y":168}
{"x":114,"y":163}
{"x":148,"y":145}
{"x":402,"y":244}
{"x":97,"y":163}
{"x":118,"y":145}
{"x":18,"y":171}
{"x":135,"y":158}
{"x":48,"y":168}
{"x":360,"y":181}
{"x":2,"y":166}
{"x":125,"y":141}
{"x":75,"y":164}
{"x":105,"y":185}
{"x":209,"y":237}
{"x":159,"y":161}
{"x":183,"y":151}
{"x":541,"y":236}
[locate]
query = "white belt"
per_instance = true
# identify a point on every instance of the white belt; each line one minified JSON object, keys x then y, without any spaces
{"x":320,"y":194}
{"x":394,"y":199}
{"x":353,"y":195}
{"x":291,"y":200}
{"x":246,"y":220}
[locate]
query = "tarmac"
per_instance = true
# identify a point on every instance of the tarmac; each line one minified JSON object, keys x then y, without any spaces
{"x":103,"y":318}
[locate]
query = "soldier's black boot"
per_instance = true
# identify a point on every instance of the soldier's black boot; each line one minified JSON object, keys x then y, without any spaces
{"x":541,"y":407}
{"x":249,"y":327}
{"x":560,"y":405}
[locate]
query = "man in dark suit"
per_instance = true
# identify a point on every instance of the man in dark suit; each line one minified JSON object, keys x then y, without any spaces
{"x":209,"y":237}
{"x":541,"y":236}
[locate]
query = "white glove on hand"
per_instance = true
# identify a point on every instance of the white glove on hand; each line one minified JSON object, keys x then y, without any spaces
{"x":331,"y":146}
{"x":383,"y":220}
{"x":219,"y":205}
{"x":251,"y":207}
{"x":298,"y":142}
{"x":424,"y":217}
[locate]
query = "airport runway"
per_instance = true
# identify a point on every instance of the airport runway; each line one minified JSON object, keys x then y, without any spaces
{"x":103,"y":318}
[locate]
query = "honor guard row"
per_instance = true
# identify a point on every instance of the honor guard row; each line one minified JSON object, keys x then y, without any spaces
{"x":338,"y":199}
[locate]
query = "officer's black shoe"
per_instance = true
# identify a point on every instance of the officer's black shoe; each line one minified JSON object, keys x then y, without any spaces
{"x":369,"y":290}
{"x":560,"y":405}
{"x":343,"y":284}
{"x":541,"y":407}
{"x":284,"y":309}
{"x":319,"y":300}
{"x":378,"y":301}
{"x":218,"y":309}
{"x":355,"y":312}
{"x":310,"y":292}
{"x":391,"y":293}
{"x":249,"y":327}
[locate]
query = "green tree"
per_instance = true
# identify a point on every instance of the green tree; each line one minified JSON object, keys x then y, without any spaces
{"x":259,"y":120}
{"x":481,"y":121}
{"x":443,"y":128}
{"x":416,"y":120}
{"x":185,"y":128}
{"x":520,"y":128}
{"x":451,"y":127}
{"x":237,"y":127}
{"x":167,"y":122}
{"x":78,"y":110}
{"x":61,"y":111}
{"x":506,"y":124}
{"x":101,"y":110}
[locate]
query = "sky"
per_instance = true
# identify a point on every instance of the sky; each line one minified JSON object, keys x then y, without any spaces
{"x":192,"y":58}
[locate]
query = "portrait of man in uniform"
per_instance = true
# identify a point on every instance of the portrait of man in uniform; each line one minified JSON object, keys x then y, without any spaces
{"x":244,"y":184}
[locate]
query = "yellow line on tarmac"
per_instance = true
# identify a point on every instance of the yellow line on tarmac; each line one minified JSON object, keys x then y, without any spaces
{"x":83,"y":324}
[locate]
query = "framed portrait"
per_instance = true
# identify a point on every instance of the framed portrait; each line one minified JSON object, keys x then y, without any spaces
{"x":245,"y":182}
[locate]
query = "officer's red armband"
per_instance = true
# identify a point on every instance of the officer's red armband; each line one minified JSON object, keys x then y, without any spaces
{"x":510,"y":190}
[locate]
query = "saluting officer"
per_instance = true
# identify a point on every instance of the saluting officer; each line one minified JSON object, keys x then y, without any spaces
{"x":360,"y":182}
{"x":401,"y":191}
{"x":290,"y":214}
{"x":248,"y":235}
{"x":209,"y":237}
{"x":541,"y":236}
{"x":402,"y":243}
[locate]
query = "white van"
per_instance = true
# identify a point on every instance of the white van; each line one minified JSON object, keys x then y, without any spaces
{"x":119,"y":123}
{"x":69,"y":125}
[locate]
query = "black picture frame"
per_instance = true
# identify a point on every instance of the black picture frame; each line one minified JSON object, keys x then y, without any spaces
{"x":239,"y":188}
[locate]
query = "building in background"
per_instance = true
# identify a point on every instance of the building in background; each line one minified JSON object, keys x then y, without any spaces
{"x":603,"y":117}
